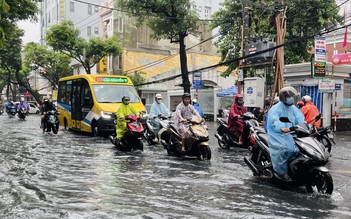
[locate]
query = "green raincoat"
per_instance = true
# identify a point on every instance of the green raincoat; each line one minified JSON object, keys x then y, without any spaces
{"x":121,"y":126}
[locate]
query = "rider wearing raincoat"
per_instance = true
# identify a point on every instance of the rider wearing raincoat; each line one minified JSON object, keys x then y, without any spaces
{"x":281,"y":144}
{"x":158,"y":108}
{"x":124,"y":110}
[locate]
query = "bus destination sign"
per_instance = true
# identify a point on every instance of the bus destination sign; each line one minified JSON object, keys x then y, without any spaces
{"x":111,"y":80}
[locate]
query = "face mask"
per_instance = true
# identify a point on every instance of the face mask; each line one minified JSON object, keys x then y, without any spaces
{"x":289,"y":101}
{"x":241,"y":102}
{"x":159,"y":100}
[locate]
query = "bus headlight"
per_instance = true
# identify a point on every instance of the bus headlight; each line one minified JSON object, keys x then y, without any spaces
{"x":106,"y":115}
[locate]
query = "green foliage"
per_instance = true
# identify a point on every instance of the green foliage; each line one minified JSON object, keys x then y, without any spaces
{"x":137,"y":78}
{"x":12,"y":11}
{"x":304,"y":19}
{"x":52,"y":65}
{"x":65,"y":38}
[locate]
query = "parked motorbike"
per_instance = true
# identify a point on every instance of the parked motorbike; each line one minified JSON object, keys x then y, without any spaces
{"x":51,"y":122}
{"x":132,"y":140}
{"x":1,"y":112}
{"x":307,"y":169}
{"x":22,"y":113}
{"x":162,"y":134}
{"x":11,"y":111}
{"x":195,"y":145}
{"x":227,"y":139}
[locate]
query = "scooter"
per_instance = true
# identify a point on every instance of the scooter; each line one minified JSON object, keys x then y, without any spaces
{"x":162,"y":134}
{"x":325,"y":136}
{"x":195,"y":145}
{"x":11,"y":111}
{"x":227,"y":139}
{"x":51,"y":122}
{"x":22,"y":113}
{"x":132,"y":140}
{"x":307,"y":169}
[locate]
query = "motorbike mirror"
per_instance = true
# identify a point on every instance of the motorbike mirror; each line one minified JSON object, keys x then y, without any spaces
{"x":318,"y":117}
{"x":284,"y":119}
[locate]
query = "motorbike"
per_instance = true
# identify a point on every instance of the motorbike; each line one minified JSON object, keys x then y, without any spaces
{"x":51,"y":122}
{"x":1,"y":112}
{"x":132,"y":140}
{"x":22,"y":113}
{"x":306,"y":169}
{"x":195,"y":145}
{"x":227,"y":139}
{"x":11,"y":111}
{"x":162,"y":134}
{"x":325,"y":136}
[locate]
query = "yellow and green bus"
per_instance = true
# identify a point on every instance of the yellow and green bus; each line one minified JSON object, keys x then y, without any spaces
{"x":88,"y":103}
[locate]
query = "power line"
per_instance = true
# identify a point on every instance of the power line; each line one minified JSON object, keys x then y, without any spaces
{"x":296,"y":40}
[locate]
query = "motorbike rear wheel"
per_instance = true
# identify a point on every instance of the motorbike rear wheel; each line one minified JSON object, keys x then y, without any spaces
{"x":323,"y":181}
{"x":54,"y":129}
{"x":204,"y":153}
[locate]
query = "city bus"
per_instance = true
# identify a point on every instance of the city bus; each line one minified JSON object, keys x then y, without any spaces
{"x":88,"y":103}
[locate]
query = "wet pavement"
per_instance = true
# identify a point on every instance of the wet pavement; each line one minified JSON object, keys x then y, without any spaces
{"x":72,"y":175}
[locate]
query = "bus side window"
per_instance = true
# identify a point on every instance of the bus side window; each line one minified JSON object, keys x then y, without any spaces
{"x":88,"y":99}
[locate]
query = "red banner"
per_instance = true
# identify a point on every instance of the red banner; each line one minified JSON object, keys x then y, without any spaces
{"x":342,"y":59}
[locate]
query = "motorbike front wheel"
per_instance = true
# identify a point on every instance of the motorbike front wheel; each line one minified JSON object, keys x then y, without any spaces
{"x":323,"y":181}
{"x":54,"y":129}
{"x":204,"y":153}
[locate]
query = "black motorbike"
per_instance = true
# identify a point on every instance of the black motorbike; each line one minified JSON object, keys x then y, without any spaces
{"x":51,"y":122}
{"x":227,"y":139}
{"x":11,"y":111}
{"x":150,"y":135}
{"x":22,"y":113}
{"x":195,"y":145}
{"x":306,"y":169}
{"x":325,"y":136}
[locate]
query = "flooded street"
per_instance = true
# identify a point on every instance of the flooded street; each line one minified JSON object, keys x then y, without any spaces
{"x":72,"y":175}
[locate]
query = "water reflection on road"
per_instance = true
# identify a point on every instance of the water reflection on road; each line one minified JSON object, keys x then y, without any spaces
{"x":71,"y":175}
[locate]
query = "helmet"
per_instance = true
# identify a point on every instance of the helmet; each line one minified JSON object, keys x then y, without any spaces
{"x":194,"y":100}
{"x":267,"y":101}
{"x":125,"y":100}
{"x":276,"y":100}
{"x":46,"y":100}
{"x":158,"y":98}
{"x":300,"y":103}
{"x":286,"y":92}
{"x":186,"y":95}
{"x":238,"y":96}
{"x":306,"y":98}
{"x":22,"y":99}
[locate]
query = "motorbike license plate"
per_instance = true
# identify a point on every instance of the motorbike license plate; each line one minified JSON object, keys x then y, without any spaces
{"x":331,"y":136}
{"x":13,"y":110}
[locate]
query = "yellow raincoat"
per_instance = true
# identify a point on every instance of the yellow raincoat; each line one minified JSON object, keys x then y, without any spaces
{"x":121,"y":126}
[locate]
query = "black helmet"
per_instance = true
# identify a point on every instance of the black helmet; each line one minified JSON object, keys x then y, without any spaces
{"x":125,"y":98}
{"x":186,"y":95}
{"x":287,"y":92}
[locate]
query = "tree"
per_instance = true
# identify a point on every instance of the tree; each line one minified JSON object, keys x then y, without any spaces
{"x":173,"y":20}
{"x":12,"y":11}
{"x":63,"y":37}
{"x":52,"y":65}
{"x":304,"y":19}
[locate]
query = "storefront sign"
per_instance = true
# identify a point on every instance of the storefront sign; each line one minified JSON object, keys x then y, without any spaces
{"x":326,"y":86}
{"x":341,"y":59}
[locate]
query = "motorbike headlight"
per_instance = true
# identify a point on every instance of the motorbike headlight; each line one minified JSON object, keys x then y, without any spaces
{"x":106,"y":115}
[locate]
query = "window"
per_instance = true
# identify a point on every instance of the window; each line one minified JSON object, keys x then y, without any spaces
{"x":96,"y":30}
{"x":96,"y":8}
{"x":120,"y":24}
{"x":89,"y":31}
{"x":199,"y":9}
{"x":71,"y":6}
{"x":207,"y":12}
{"x":90,"y":9}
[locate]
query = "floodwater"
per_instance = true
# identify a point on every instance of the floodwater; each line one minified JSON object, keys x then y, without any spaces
{"x":72,"y":175}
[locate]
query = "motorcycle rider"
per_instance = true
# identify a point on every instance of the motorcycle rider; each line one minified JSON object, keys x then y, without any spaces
{"x":23,"y":104}
{"x":300,"y":104}
{"x":157,"y":108}
{"x":198,"y":108}
{"x":310,"y":111}
{"x":235,"y":123}
{"x":8,"y":103}
{"x":46,"y":107}
{"x":184,"y":111}
{"x":282,"y":147}
{"x":125,"y":109}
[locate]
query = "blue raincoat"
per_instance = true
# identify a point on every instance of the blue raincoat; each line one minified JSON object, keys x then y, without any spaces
{"x":199,"y":110}
{"x":156,"y":109}
{"x":281,"y":145}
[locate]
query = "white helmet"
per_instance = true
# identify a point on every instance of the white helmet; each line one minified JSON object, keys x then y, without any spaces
{"x":195,"y":100}
{"x":158,"y":97}
{"x":306,"y":98}
{"x":276,"y":100}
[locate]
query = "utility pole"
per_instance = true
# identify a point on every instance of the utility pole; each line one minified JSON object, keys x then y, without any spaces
{"x":244,"y":36}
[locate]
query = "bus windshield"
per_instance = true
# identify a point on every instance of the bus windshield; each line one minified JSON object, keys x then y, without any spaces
{"x":110,"y":93}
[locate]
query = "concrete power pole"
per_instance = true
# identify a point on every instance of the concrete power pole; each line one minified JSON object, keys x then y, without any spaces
{"x":244,"y":36}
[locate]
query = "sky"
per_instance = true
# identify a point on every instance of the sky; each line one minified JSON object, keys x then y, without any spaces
{"x":31,"y":31}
